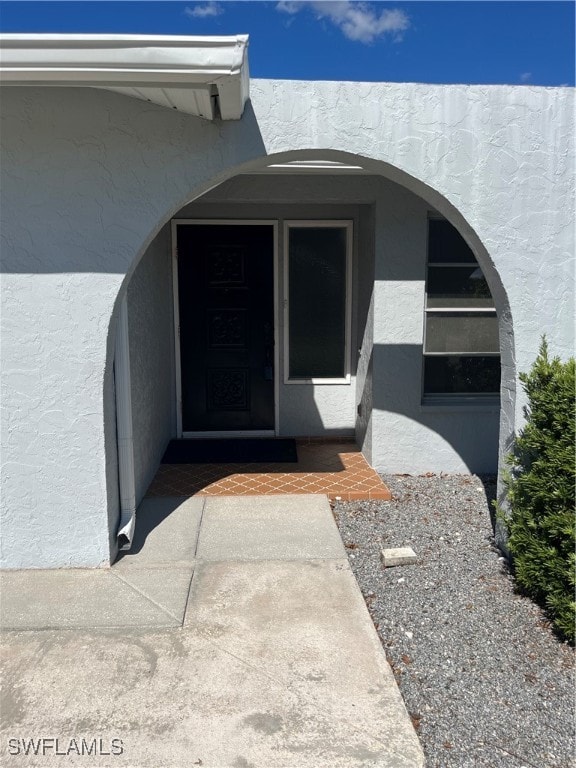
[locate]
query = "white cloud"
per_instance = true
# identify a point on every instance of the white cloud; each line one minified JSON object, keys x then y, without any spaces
{"x":289,"y":6}
{"x":356,"y":20}
{"x":525,"y":77}
{"x":204,"y":11}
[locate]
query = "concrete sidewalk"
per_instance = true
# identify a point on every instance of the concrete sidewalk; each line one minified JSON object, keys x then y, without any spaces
{"x":233,"y":636}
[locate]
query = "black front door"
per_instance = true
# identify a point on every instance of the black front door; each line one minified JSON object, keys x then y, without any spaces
{"x":226,"y":304}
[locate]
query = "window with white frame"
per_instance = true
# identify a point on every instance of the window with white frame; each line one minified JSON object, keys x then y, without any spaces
{"x":461,"y":347}
{"x":317,"y":257}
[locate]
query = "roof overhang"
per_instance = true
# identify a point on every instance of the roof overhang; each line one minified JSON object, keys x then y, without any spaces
{"x":204,"y":76}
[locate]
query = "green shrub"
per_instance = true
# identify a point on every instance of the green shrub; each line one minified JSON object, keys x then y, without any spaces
{"x":540,"y":484}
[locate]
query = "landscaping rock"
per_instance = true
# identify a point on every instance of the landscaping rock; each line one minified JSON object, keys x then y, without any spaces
{"x":398,"y":556}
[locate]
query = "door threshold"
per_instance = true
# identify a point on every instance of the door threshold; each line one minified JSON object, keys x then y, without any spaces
{"x":230,"y":433}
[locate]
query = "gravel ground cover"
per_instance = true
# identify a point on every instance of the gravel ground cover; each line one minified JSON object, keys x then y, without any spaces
{"x":485,"y":680}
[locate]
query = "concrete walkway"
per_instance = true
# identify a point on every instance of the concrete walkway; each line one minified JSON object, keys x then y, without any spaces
{"x":233,"y":636}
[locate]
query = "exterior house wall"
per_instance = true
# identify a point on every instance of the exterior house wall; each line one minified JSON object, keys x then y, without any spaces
{"x":405,"y":432}
{"x":90,"y":177}
{"x":151,"y":341}
{"x":365,"y":334}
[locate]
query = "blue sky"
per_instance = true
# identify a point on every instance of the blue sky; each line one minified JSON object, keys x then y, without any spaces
{"x":460,"y":41}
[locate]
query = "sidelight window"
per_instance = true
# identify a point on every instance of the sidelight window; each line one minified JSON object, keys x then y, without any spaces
{"x":317,"y":301}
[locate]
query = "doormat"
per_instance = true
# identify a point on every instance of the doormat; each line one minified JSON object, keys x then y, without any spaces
{"x":236,"y":450}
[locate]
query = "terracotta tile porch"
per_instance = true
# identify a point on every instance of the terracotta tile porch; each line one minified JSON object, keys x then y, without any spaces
{"x":337,"y":469}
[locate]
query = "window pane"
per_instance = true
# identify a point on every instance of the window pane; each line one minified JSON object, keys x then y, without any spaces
{"x":461,"y":333}
{"x":458,"y":287}
{"x":461,"y":375}
{"x":317,"y":302}
{"x":446,"y":244}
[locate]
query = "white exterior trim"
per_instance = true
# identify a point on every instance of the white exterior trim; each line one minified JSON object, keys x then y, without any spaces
{"x":316,"y":167}
{"x":180,"y":72}
{"x":348,"y":225}
{"x":178,"y":365}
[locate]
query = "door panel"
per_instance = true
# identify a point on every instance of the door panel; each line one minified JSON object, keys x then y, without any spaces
{"x":226,"y":305}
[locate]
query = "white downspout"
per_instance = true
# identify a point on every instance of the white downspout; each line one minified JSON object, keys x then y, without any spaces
{"x":124,"y":431}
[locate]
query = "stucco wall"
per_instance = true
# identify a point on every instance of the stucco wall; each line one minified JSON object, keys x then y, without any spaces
{"x":90,"y":177}
{"x":364,"y":341}
{"x":406,"y":433}
{"x":151,"y":335}
{"x":501,"y":155}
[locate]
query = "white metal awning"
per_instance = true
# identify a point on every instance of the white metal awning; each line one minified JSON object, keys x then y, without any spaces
{"x":204,"y":76}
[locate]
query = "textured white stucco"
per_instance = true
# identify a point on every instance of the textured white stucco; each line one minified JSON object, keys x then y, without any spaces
{"x":89,"y":178}
{"x":151,"y":334}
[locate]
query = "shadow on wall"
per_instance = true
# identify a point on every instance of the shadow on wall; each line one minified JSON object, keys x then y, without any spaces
{"x":156,"y":161}
{"x":471,"y":432}
{"x":89,"y":179}
{"x":317,"y":411}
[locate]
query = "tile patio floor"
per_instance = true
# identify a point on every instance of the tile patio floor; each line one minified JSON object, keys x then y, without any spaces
{"x":330,"y":468}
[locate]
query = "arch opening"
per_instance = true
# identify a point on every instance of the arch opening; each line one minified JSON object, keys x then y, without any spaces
{"x":381,"y":404}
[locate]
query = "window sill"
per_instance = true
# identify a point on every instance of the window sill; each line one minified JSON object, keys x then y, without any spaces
{"x":342,"y":381}
{"x":460,"y":404}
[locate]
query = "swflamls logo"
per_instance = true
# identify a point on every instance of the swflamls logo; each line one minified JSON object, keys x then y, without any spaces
{"x":43,"y":745}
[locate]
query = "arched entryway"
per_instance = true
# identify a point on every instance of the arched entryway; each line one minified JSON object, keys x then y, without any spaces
{"x":379,"y":397}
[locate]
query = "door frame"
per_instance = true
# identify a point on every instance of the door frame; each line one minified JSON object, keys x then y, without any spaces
{"x":174,"y":224}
